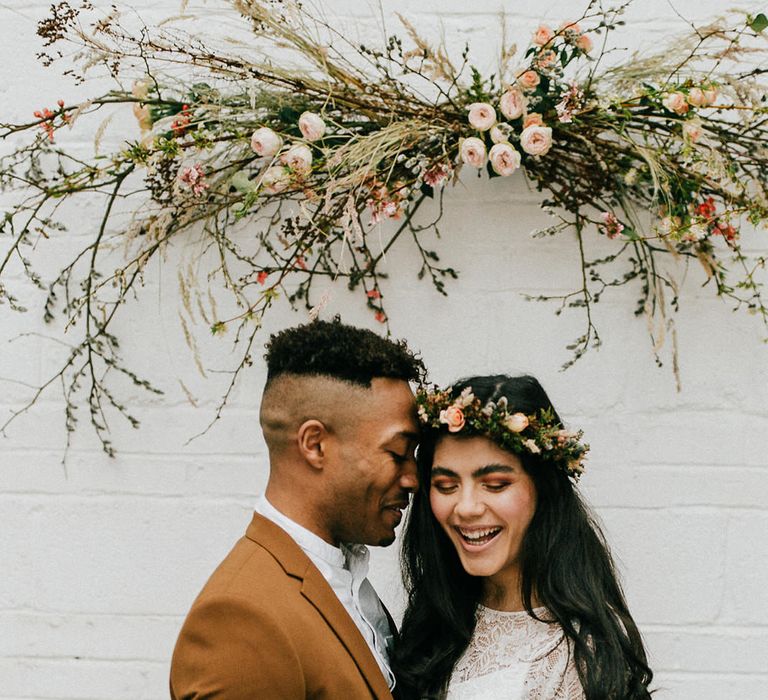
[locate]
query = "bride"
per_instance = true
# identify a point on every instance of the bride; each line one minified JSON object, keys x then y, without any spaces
{"x":512,"y":590}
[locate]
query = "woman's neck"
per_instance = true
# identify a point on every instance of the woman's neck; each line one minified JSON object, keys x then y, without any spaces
{"x":503,"y":591}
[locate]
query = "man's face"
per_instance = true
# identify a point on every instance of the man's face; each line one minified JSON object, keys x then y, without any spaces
{"x":375,"y":472}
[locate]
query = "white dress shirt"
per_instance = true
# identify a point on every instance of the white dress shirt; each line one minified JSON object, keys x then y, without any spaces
{"x":345,"y":568}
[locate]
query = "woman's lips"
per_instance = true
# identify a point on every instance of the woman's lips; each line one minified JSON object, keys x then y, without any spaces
{"x":477,"y":538}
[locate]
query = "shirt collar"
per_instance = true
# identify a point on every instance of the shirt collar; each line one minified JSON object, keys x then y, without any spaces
{"x":307,"y":540}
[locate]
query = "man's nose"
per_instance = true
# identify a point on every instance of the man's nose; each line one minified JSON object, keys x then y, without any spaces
{"x":409,"y":480}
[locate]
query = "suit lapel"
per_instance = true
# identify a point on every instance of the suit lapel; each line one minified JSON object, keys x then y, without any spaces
{"x":319,"y":593}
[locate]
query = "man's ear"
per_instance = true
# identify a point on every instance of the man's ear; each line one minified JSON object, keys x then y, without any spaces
{"x":312,"y":441}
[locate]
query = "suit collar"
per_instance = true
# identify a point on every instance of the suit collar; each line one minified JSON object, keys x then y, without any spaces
{"x":319,"y":593}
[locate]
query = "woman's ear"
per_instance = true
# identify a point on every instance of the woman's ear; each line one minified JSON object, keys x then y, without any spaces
{"x":312,"y":442}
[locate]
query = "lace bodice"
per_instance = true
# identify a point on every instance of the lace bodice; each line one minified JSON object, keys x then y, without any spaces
{"x":514,"y":657}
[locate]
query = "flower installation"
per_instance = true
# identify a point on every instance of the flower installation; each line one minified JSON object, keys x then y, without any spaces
{"x":285,"y":179}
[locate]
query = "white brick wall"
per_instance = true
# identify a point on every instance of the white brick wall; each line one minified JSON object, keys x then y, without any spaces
{"x":101,"y":558}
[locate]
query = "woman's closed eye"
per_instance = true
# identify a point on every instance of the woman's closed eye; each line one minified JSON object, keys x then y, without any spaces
{"x":444,"y":486}
{"x":496,"y":486}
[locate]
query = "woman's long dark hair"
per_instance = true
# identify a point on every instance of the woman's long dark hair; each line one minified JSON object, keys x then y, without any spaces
{"x":565,"y":564}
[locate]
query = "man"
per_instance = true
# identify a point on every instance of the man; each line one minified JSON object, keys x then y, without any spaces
{"x":290,"y":613}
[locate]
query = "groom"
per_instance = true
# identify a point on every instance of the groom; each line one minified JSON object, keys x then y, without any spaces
{"x":289,"y":614}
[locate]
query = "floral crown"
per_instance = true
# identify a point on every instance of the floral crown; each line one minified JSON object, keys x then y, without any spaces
{"x":538,"y":434}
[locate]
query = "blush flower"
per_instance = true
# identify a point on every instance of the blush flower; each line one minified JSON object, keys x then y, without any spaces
{"x":584,"y":43}
{"x":501,"y":133}
{"x":532,"y":119}
{"x":298,"y":158}
{"x":276,"y":179}
{"x":265,"y":142}
{"x":696,"y":97}
{"x":512,"y":103}
{"x":675,"y":102}
{"x":194,"y":178}
{"x":312,"y":126}
{"x":516,"y":423}
{"x":453,"y":417}
{"x":536,"y":140}
{"x":481,"y":116}
{"x":529,"y":80}
{"x":473,"y":152}
{"x":543,"y":35}
{"x":504,"y":159}
{"x":531,"y":446}
{"x":692,"y":130}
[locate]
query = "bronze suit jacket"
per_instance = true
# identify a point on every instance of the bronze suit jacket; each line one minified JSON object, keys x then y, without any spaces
{"x":267,"y":626}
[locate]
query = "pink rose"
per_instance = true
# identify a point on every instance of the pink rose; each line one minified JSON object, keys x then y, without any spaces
{"x":512,"y":103}
{"x":675,"y":102}
{"x":529,"y":80}
{"x":453,"y":417}
{"x":532,"y":119}
{"x":696,"y":97}
{"x":536,"y":140}
{"x":543,"y":35}
{"x":546,"y":58}
{"x":265,"y":142}
{"x":298,"y":158}
{"x":584,"y":43}
{"x":275,"y":179}
{"x":692,"y":130}
{"x":312,"y":126}
{"x":517,"y":422}
{"x":482,"y":116}
{"x":570,"y":27}
{"x":710,"y":96}
{"x":504,"y":159}
{"x":473,"y":152}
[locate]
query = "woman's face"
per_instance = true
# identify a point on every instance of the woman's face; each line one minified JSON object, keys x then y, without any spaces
{"x":484,"y":500}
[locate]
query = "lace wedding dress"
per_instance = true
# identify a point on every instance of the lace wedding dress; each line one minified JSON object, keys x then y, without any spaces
{"x":513,"y":657}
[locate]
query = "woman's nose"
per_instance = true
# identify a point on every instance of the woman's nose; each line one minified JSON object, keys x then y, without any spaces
{"x":469,"y":504}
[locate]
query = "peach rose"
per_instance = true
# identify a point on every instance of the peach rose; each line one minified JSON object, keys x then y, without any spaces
{"x":275,"y":179}
{"x":546,"y":58}
{"x":696,"y":97}
{"x":143,"y":116}
{"x":512,"y":103}
{"x":710,"y":96}
{"x":517,"y":422}
{"x":473,"y":152}
{"x":692,"y":130}
{"x":453,"y":417}
{"x":675,"y":102}
{"x":532,"y":119}
{"x":570,"y":27}
{"x":529,"y":80}
{"x":265,"y":142}
{"x":536,"y":140}
{"x":504,"y":159}
{"x":298,"y":158}
{"x":543,"y":35}
{"x":312,"y":126}
{"x":584,"y":43}
{"x":140,"y":89}
{"x":482,"y":116}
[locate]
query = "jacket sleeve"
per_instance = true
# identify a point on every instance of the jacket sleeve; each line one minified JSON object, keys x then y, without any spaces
{"x":227,"y":650}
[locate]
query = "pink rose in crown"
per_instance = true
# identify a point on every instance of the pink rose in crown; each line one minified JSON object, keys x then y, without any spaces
{"x":536,"y":140}
{"x":504,"y":159}
{"x":517,"y":422}
{"x":482,"y":116}
{"x":543,"y":35}
{"x":312,"y":126}
{"x":473,"y":152}
{"x":453,"y":417}
{"x":512,"y":103}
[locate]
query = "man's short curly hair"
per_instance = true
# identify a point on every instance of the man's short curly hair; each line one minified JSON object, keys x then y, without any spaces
{"x":334,"y":349}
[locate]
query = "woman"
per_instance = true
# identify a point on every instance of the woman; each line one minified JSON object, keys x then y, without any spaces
{"x":512,"y":590}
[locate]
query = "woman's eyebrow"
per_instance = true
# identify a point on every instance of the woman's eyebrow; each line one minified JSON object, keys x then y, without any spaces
{"x":493,"y":469}
{"x":442,"y":471}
